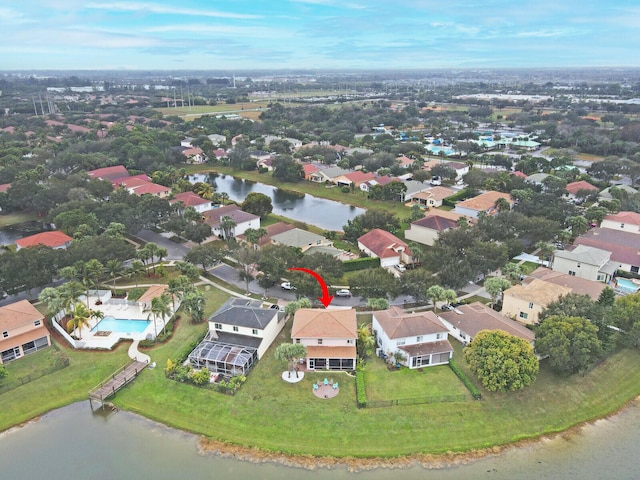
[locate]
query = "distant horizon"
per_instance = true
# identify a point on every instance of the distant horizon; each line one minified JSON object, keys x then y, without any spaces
{"x":249,"y":35}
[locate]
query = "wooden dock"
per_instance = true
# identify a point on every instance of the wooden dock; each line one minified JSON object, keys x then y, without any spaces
{"x":115,"y":382}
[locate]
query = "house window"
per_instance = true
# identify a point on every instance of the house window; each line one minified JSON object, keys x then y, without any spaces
{"x":37,"y":323}
{"x":217,"y":326}
{"x":622,"y":225}
{"x":235,"y":328}
{"x":462,"y":335}
{"x":349,"y":341}
{"x":419,"y":338}
{"x":530,"y":304}
{"x":5,"y":334}
{"x":439,"y":336}
{"x":254,"y":331}
{"x":572,"y":273}
{"x":400,"y":342}
{"x":524,"y":315}
{"x":319,"y":341}
{"x":635,"y":269}
{"x":297,"y":340}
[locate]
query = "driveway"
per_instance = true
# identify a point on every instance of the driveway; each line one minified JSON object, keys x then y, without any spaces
{"x":176,"y":251}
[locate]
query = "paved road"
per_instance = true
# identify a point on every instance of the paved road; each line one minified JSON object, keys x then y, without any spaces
{"x":176,"y":251}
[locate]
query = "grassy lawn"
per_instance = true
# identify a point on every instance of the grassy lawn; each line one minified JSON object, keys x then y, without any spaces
{"x":277,"y":416}
{"x":407,"y":383}
{"x":32,"y":365}
{"x":17,"y":217}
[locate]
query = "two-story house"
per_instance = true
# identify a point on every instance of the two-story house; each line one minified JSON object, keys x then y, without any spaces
{"x":465,"y":321}
{"x":585,"y":262}
{"x":243,"y":220}
{"x":22,"y":331}
{"x":240,"y":332}
{"x":190,"y":199}
{"x":628,"y":222}
{"x":485,"y":202}
{"x":421,"y":337}
{"x":329,"y":335}
{"x":427,"y":229}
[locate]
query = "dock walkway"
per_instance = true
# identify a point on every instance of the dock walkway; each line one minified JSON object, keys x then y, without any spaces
{"x":115,"y":382}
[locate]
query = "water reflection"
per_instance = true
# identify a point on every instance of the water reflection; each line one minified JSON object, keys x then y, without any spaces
{"x":327,"y":214}
{"x":74,"y":443}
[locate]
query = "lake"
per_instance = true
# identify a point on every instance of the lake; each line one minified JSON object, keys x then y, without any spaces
{"x":73,"y":442}
{"x":10,"y":233}
{"x":326,"y":214}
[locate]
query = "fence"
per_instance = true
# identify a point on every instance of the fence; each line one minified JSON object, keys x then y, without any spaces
{"x":63,"y":362}
{"x":417,"y":401}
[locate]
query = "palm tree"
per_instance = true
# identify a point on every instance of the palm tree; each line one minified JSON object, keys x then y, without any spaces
{"x":254,"y":235}
{"x":136,"y":270}
{"x":366,"y":341}
{"x":81,"y":316}
{"x":91,"y":274}
{"x":70,"y":292}
{"x":159,"y":308}
{"x":193,"y":302}
{"x":179,"y":287}
{"x":205,"y":190}
{"x":435,"y":293}
{"x":52,"y":298}
{"x":224,"y":196}
{"x":290,"y":352}
{"x":114,"y":269}
{"x":227,"y":226}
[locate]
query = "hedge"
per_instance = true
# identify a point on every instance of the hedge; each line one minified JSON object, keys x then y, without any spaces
{"x":360,"y":264}
{"x":361,"y":393}
{"x":475,"y":393}
{"x":461,"y":195}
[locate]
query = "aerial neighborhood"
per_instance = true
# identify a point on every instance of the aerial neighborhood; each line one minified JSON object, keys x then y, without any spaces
{"x":424,"y":249}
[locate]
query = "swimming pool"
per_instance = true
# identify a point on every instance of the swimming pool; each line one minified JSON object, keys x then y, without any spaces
{"x":121,"y":325}
{"x":437,"y":150}
{"x":627,"y":285}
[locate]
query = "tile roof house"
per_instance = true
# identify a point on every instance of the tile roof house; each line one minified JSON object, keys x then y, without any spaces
{"x":190,"y":199}
{"x":194,"y":155}
{"x":240,"y":332}
{"x":623,"y":247}
{"x":485,"y":202}
{"x":109,"y":173}
{"x":382,"y":181}
{"x":328,"y":175}
{"x":301,"y":239}
{"x":330,"y":337}
{"x":354,"y":178}
{"x":243,"y":220}
{"x":606,"y":193}
{"x":574,"y":187}
{"x":273,"y":229}
{"x":427,"y":229}
{"x":4,"y":187}
{"x":22,"y":331}
{"x":432,"y":197}
{"x":585,"y":262}
{"x":54,"y":239}
{"x":622,"y":221}
{"x":309,"y":169}
{"x":421,"y":337}
{"x":466,"y":321}
{"x":386,"y":246}
{"x":543,"y":286}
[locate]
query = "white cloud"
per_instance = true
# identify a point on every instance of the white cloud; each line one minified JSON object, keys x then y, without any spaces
{"x":167,"y":10}
{"x":264,"y":32}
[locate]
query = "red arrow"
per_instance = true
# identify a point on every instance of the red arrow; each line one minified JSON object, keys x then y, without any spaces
{"x":325,"y":298}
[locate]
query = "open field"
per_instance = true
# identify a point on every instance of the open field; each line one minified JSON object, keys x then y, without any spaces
{"x":220,"y":109}
{"x":18,"y":217}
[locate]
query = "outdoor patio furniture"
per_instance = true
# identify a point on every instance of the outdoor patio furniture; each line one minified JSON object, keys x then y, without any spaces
{"x":335,"y":385}
{"x":326,"y":381}
{"x":315,"y":386}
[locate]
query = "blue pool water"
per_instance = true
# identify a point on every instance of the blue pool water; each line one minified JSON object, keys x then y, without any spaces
{"x":627,"y":285}
{"x":121,"y":325}
{"x":436,"y":150}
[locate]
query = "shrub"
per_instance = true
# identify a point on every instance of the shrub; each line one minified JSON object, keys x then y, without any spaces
{"x":360,"y":264}
{"x":345,"y":190}
{"x":136,"y":293}
{"x":200,"y":377}
{"x":188,"y":348}
{"x":475,"y":393}
{"x":361,"y":393}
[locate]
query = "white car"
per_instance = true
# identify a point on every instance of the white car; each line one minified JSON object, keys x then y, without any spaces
{"x":287,"y":286}
{"x":343,"y":292}
{"x":401,"y":267}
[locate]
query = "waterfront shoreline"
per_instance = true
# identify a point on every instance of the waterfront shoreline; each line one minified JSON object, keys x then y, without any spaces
{"x":426,"y":461}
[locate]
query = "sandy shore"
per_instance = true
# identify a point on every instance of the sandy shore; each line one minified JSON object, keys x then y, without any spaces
{"x":427,"y":461}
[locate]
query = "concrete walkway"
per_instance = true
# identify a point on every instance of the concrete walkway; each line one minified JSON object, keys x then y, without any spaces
{"x":136,"y":354}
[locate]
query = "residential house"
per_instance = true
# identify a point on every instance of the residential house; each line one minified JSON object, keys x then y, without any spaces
{"x":461,"y":169}
{"x":23,"y":331}
{"x":622,"y":221}
{"x":154,"y":291}
{"x":414,"y":188}
{"x":606,"y":193}
{"x":526,"y":301}
{"x":420,"y":337}
{"x":581,"y":186}
{"x":381,"y":180}
{"x":328,"y":175}
{"x":217,"y":139}
{"x":623,"y":246}
{"x":301,"y":239}
{"x":109,"y":173}
{"x":427,"y":230}
{"x":190,"y":199}
{"x":194,"y":155}
{"x":54,"y":239}
{"x":585,"y":262}
{"x":309,"y":170}
{"x":432,"y":197}
{"x":330,"y":337}
{"x":243,"y":220}
{"x":466,"y":321}
{"x":404,"y":161}
{"x":354,"y":178}
{"x":272,"y":230}
{"x":485,"y":202}
{"x":537,"y":178}
{"x":386,"y":246}
{"x":240,"y":332}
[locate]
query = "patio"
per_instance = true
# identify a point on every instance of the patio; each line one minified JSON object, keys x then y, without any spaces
{"x":326,"y":388}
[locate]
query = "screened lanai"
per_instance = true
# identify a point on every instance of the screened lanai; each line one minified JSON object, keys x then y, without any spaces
{"x":225,"y":358}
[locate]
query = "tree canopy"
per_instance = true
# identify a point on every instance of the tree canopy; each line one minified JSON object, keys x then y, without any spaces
{"x":501,"y":361}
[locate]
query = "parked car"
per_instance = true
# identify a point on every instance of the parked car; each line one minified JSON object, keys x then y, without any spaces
{"x":343,"y":292}
{"x":287,"y":286}
{"x":401,"y":267}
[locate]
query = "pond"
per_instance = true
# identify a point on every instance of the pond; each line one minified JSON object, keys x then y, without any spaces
{"x":326,"y":214}
{"x":73,"y":442}
{"x":10,"y":233}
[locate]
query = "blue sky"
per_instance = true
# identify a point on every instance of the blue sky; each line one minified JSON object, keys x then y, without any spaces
{"x":317,"y":34}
